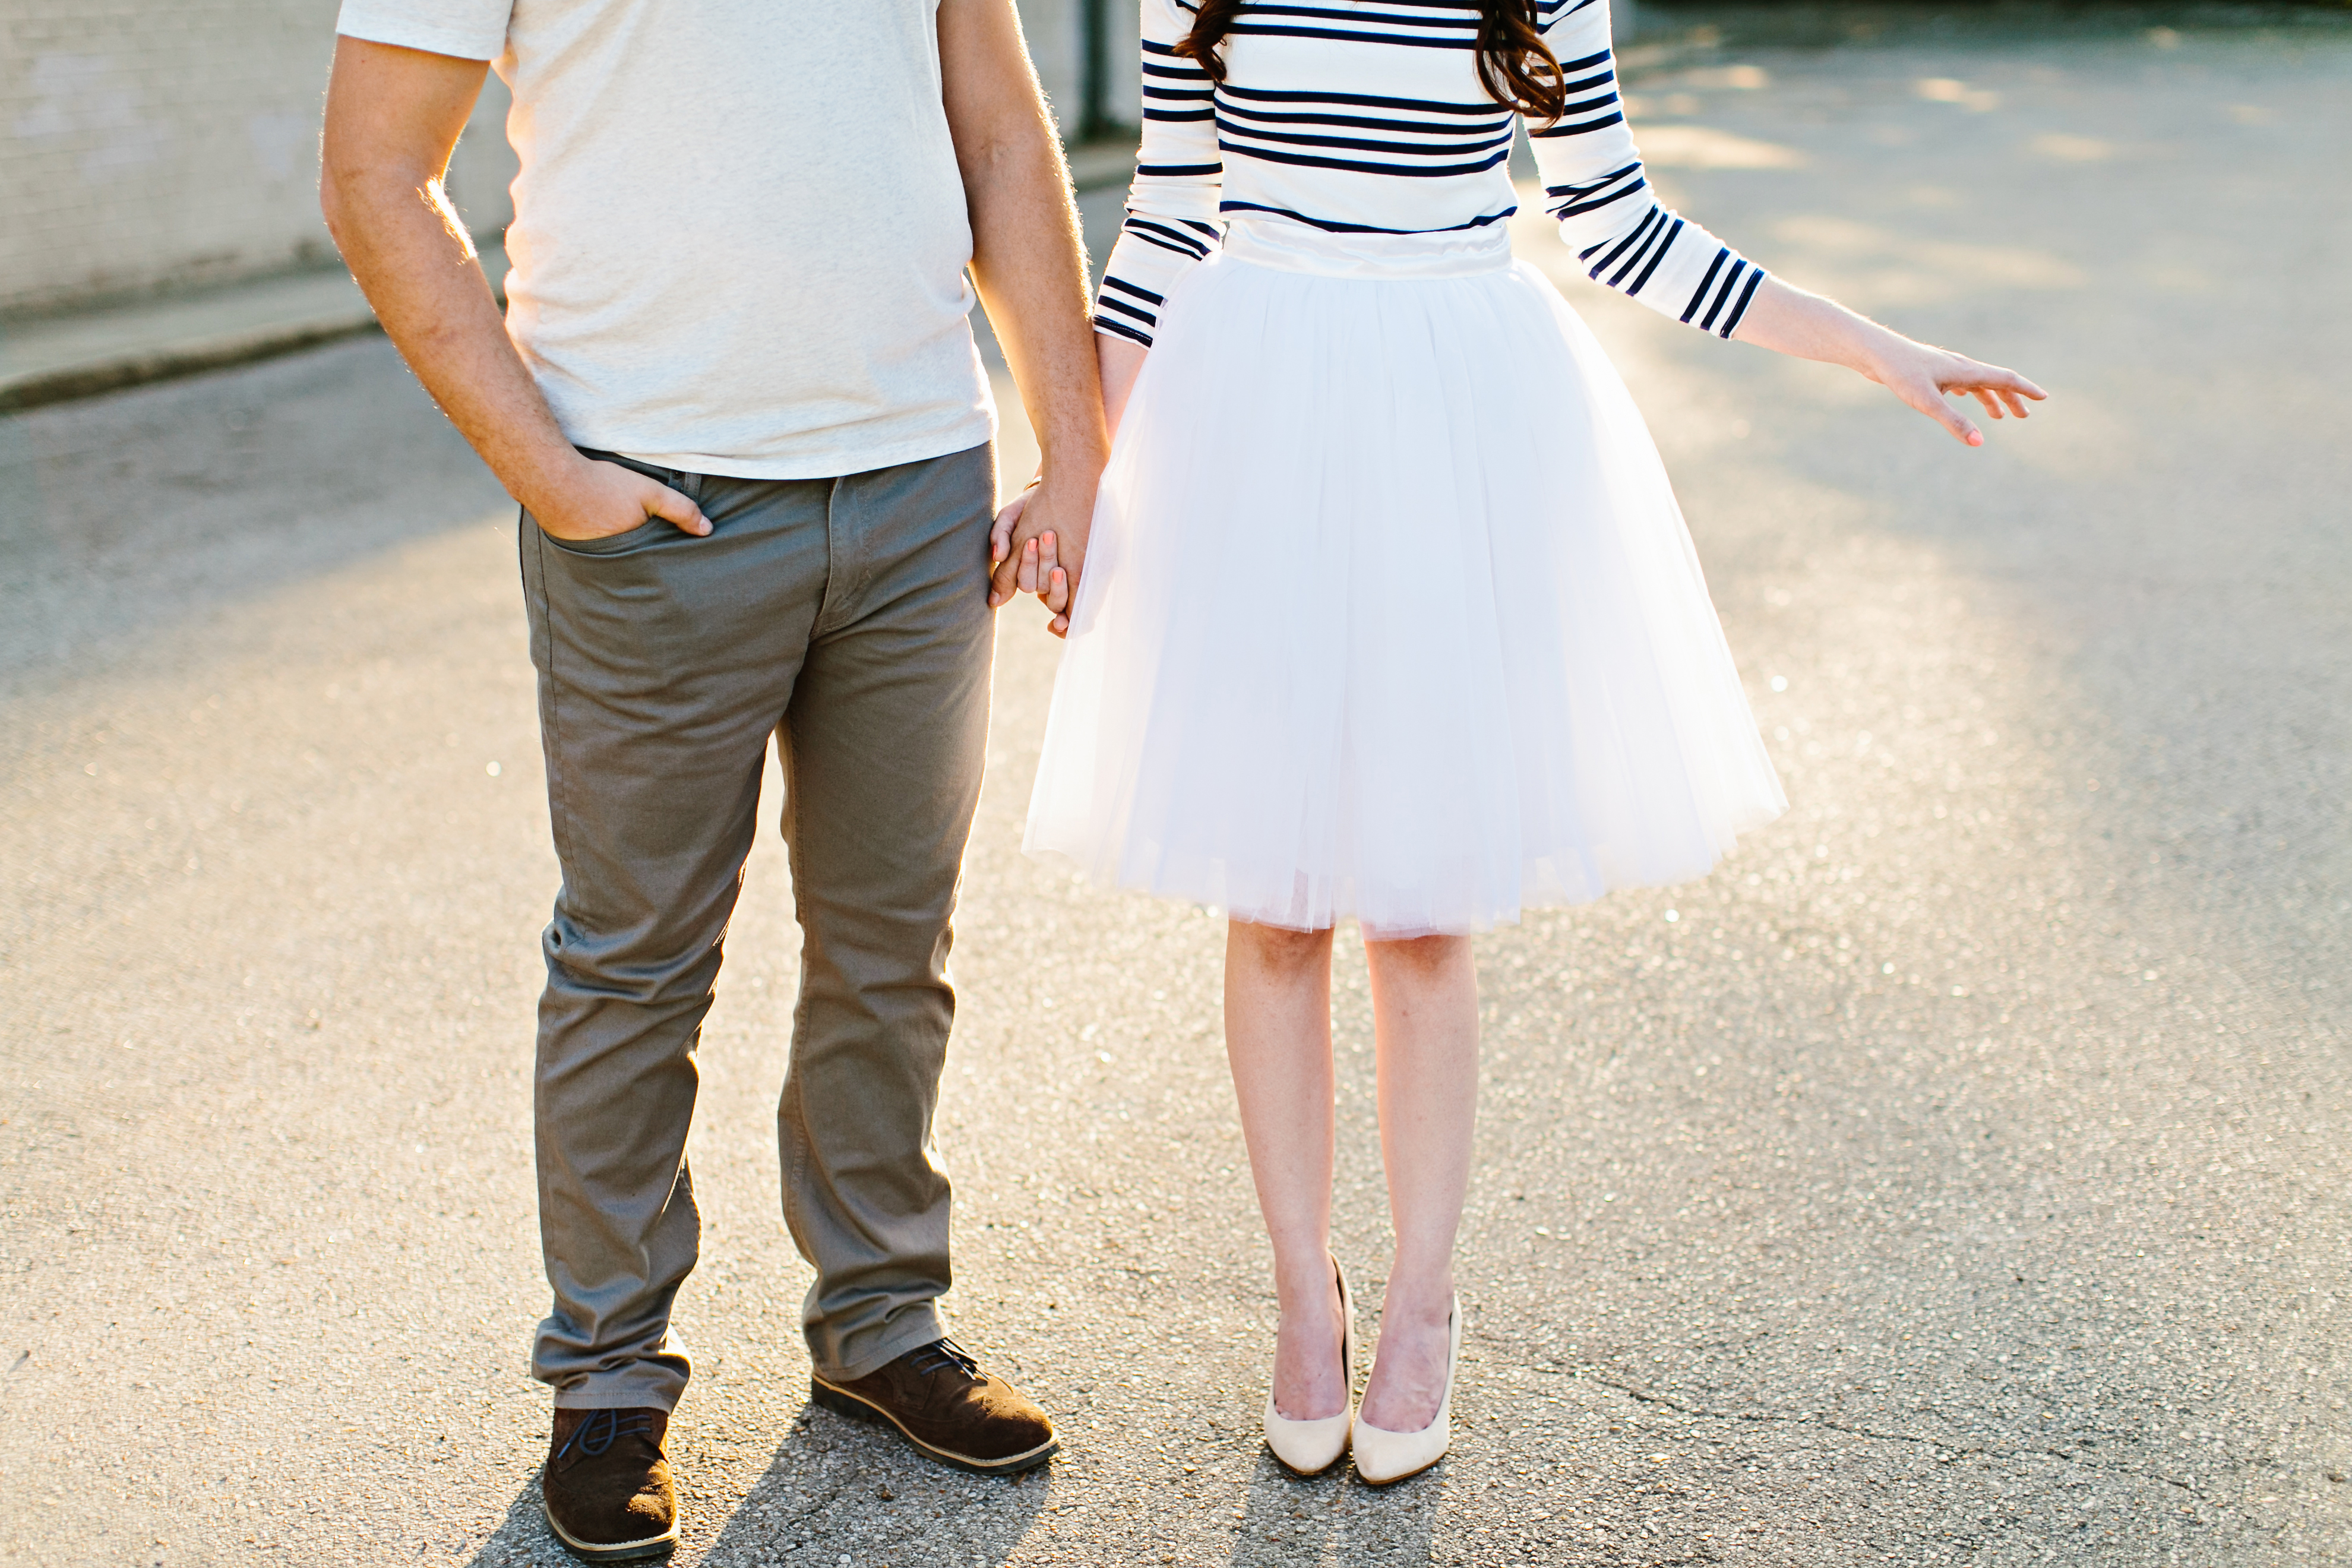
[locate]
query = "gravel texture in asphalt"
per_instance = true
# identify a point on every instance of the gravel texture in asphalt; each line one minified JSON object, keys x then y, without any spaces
{"x":1957,"y":1175}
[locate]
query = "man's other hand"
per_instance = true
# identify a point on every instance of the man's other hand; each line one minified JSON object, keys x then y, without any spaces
{"x":597,"y":499}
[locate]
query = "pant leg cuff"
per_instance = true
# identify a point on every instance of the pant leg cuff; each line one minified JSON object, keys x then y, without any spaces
{"x":627,"y":1390}
{"x":915,"y":1327}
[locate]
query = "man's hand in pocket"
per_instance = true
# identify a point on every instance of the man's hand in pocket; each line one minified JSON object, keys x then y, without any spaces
{"x":597,"y":499}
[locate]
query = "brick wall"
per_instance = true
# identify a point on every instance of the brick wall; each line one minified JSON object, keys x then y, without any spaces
{"x":151,"y":145}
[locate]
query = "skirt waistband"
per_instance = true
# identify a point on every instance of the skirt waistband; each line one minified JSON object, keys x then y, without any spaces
{"x":1265,"y":240}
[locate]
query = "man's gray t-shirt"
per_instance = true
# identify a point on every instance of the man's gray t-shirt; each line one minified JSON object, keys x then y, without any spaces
{"x":740,"y":233}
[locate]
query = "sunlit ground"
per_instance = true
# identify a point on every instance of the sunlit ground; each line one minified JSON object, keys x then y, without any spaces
{"x":1955,"y":1177}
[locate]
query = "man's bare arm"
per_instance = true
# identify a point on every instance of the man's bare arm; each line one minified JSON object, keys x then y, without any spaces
{"x":393,"y":115}
{"x":1031,"y":266}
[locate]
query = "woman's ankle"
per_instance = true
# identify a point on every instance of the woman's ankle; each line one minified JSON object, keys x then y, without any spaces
{"x":1309,"y":1284}
{"x":1422,"y":1299}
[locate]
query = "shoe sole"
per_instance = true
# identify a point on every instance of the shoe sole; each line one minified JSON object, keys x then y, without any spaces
{"x":1309,"y":1474}
{"x":652,"y":1546}
{"x":1392,"y":1481}
{"x":841,"y":1402}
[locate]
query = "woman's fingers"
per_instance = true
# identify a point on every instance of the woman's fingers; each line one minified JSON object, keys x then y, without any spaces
{"x":2007,"y":384}
{"x":2003,"y":392}
{"x":1929,"y":399}
{"x":1049,"y":566}
{"x":2018,"y":384}
{"x":1054,"y":589}
{"x":1932,"y":381}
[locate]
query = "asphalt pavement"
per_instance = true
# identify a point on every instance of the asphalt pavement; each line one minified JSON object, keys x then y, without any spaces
{"x":1960,"y":1174}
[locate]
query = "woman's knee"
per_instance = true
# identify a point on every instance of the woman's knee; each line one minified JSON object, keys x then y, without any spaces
{"x":1279,"y":947}
{"x":1417,"y":957}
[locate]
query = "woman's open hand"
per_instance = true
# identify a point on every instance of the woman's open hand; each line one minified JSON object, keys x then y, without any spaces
{"x":1925,"y":377}
{"x":1788,"y":321}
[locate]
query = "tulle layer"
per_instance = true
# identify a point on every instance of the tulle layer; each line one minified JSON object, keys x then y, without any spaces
{"x":1389,"y":612}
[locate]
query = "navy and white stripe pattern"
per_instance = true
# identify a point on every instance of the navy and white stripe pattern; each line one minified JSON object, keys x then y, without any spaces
{"x":1620,"y":232}
{"x":1367,"y":117}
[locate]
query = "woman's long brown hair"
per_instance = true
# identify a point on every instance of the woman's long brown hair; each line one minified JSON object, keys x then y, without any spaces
{"x":1515,"y":64}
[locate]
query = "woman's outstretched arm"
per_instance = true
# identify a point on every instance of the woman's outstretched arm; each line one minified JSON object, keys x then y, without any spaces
{"x":1790,"y":321}
{"x":1626,"y":239}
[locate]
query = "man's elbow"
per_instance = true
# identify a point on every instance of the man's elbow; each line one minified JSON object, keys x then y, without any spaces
{"x":330,"y":202}
{"x":1006,"y":137}
{"x":349,"y":195}
{"x":338,"y":198}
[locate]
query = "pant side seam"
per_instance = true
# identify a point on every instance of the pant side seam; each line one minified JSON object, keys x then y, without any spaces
{"x":558,"y":775}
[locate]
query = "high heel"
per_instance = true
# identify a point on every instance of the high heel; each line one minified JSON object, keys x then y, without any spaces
{"x":1310,"y":1448}
{"x":1383,"y":1457}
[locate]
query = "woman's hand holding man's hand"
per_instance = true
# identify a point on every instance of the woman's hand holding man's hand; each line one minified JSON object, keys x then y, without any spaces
{"x":1038,"y":545}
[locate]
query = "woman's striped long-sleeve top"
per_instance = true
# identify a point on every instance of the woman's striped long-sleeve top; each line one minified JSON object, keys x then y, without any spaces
{"x":1367,"y":117}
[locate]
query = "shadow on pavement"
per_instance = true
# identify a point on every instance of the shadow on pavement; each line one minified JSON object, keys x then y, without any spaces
{"x":1335,"y":1518}
{"x":838,"y":1491}
{"x":834,"y":1491}
{"x":521,"y":1536}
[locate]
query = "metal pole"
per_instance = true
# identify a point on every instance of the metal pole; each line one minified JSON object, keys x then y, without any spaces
{"x":1094,"y":68}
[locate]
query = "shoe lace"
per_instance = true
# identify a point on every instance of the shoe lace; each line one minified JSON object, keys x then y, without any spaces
{"x":605,"y":1427}
{"x":941,"y":1354}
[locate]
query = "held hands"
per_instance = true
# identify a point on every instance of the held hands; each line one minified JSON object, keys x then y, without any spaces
{"x":593,"y":500}
{"x":1038,"y":545}
{"x":1039,"y":542}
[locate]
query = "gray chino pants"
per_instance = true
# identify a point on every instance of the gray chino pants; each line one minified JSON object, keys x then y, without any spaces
{"x":849,"y":619}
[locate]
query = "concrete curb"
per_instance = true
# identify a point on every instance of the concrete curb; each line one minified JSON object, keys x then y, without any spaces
{"x":115,"y":372}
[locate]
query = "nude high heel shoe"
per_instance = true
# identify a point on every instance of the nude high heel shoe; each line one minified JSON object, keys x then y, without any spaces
{"x":1310,"y":1448}
{"x":1382,"y":1456}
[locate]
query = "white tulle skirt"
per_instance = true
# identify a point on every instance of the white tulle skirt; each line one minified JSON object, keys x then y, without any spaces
{"x":1388,"y":609}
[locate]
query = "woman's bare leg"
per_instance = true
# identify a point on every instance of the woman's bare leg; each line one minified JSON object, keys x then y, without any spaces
{"x":1425,"y":1027}
{"x":1278,"y":1040}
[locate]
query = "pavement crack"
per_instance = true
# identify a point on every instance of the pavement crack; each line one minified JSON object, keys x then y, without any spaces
{"x":1986,"y":1451}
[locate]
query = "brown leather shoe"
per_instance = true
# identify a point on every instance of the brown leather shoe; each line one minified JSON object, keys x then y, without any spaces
{"x":938,"y":1396}
{"x":606,"y":1486}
